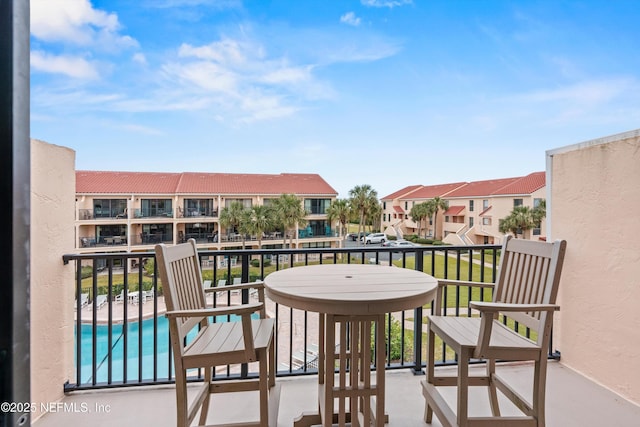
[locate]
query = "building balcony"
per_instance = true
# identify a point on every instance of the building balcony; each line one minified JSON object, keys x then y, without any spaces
{"x":115,"y":338}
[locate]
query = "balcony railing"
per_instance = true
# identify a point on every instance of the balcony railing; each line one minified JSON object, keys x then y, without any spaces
{"x":97,"y":214}
{"x":153,"y":213}
{"x":122,"y":338}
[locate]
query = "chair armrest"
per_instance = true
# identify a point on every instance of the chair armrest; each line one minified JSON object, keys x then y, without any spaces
{"x":253,"y":285}
{"x":489,"y":312}
{"x":494,"y":307}
{"x":218,"y":311}
{"x":447,"y":282}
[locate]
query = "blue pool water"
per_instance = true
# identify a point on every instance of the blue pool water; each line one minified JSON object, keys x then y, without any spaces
{"x":117,"y":360}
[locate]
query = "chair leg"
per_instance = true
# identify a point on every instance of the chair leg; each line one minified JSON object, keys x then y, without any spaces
{"x":539,"y":385}
{"x":431,"y":358}
{"x":264,"y":391}
{"x":272,"y":365}
{"x":182,"y":407}
{"x":463,"y":387}
{"x":204,"y":410}
{"x":493,"y":395}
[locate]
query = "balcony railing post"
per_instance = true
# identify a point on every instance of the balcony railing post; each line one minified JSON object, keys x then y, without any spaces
{"x":244,"y":262}
{"x":417,"y":323}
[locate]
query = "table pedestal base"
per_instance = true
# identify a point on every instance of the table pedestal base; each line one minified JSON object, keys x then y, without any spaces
{"x":346,"y":343}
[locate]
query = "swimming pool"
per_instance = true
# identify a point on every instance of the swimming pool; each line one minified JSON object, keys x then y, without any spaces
{"x":117,"y":358}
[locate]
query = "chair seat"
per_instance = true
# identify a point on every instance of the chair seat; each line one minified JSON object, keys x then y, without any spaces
{"x":222,"y":343}
{"x":462,"y":333}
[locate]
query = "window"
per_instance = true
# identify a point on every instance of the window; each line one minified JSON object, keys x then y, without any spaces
{"x":470,"y":221}
{"x":316,"y":228}
{"x":517,"y":202}
{"x":156,"y":233}
{"x":103,"y":231}
{"x":247,"y":203}
{"x":406,"y":205}
{"x":109,"y":208}
{"x":198,"y":207}
{"x":536,"y":202}
{"x":470,"y":205}
{"x":485,"y":204}
{"x":384,"y":205}
{"x":156,"y":207}
{"x":446,"y":218}
{"x":316,"y":206}
{"x":486,"y":221}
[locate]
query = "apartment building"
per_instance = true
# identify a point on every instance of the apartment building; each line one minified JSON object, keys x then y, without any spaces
{"x":133,"y":211}
{"x":474,"y":208}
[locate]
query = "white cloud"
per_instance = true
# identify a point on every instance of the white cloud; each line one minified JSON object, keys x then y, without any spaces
{"x":145,"y":130}
{"x":585,"y":93}
{"x":350,"y":18}
{"x":386,"y":3}
{"x":71,"y":66}
{"x":139,"y":58}
{"x":76,"y":22}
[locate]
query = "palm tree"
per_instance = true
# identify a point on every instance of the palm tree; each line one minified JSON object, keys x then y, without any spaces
{"x":435,"y":205}
{"x":259,"y":219}
{"x":232,"y":217}
{"x":540,"y":212}
{"x":362,"y":198}
{"x":339,"y":211}
{"x":521,"y":219}
{"x":418,"y":213}
{"x":289,"y":213}
{"x":508,"y":225}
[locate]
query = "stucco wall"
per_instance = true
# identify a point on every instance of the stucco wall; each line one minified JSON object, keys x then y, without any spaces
{"x":595,"y":205}
{"x":52,"y":218}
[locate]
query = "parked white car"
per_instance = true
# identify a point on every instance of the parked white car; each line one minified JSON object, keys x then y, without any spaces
{"x":374,"y":238}
{"x":400,"y":244}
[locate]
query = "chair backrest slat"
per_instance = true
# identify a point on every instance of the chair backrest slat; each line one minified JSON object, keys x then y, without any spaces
{"x":529,"y":274}
{"x":183,"y":287}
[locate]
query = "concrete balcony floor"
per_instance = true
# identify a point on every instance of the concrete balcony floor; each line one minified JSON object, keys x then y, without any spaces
{"x":572,"y":401}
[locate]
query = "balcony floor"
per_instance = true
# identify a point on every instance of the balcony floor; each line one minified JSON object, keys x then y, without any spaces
{"x":572,"y":401}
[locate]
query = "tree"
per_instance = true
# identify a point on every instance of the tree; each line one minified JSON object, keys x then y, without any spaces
{"x":232,"y":217}
{"x":418,"y":214}
{"x":290,"y":214}
{"x":340,"y":211}
{"x":362,"y":198}
{"x":435,"y":205}
{"x":259,"y":219}
{"x":521,"y":219}
{"x":540,"y":212}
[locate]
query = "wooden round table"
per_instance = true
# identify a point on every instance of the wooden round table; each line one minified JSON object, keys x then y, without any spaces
{"x":351,"y":299}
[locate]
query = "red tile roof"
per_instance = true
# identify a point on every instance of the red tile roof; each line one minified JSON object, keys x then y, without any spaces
{"x":402,"y":192}
{"x":104,"y":182}
{"x":431,"y":191}
{"x":496,"y":187}
{"x":398,"y":209}
{"x":481,"y":188}
{"x":526,"y":184}
{"x":454,"y":210}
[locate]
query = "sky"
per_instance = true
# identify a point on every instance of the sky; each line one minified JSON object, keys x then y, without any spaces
{"x":388,"y":93}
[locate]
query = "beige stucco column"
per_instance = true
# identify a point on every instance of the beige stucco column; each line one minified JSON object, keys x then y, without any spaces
{"x":52,"y":290}
{"x":594,"y":194}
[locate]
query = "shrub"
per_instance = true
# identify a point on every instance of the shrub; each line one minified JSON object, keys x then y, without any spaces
{"x":424,"y":241}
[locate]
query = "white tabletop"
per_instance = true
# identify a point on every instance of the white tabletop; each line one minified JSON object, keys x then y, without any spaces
{"x":350,"y":289}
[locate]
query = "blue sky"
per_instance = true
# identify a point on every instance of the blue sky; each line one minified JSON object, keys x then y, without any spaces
{"x":382,"y":92}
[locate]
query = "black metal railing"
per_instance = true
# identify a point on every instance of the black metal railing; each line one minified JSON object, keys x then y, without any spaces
{"x":122,"y":337}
